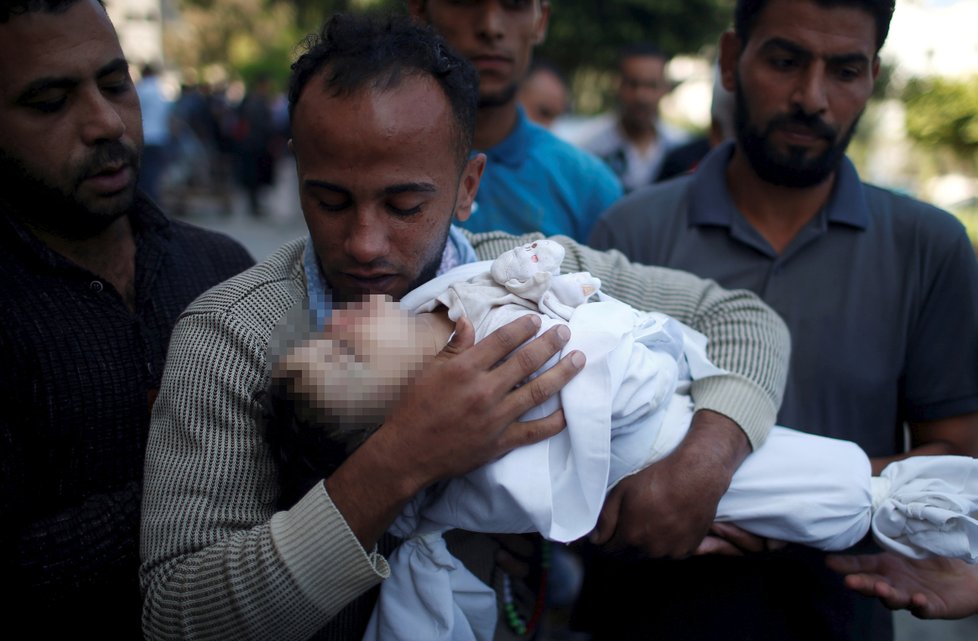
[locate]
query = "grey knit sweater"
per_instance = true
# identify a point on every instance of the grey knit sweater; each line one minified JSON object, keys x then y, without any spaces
{"x":218,"y":562}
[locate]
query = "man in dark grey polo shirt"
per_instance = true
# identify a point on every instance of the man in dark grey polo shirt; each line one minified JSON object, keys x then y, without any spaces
{"x":880,"y":292}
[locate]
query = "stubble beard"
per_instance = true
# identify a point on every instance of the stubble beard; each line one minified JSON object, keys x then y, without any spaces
{"x":54,"y":208}
{"x":793,"y":168}
{"x":500,"y":98}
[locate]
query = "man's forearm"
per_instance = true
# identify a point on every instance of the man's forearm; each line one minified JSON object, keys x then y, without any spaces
{"x":715,"y":442}
{"x":955,"y":435}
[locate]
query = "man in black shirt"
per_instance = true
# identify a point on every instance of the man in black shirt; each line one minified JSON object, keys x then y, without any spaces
{"x":92,"y":279}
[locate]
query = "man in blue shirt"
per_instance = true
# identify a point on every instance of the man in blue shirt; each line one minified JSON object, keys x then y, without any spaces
{"x":880,"y":292}
{"x":533,"y":181}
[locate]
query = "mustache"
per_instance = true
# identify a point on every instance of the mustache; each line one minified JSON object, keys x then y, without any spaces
{"x":813,"y":122}
{"x":109,"y":155}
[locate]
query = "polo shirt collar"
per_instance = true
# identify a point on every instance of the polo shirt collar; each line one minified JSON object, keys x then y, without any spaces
{"x":514,"y":148}
{"x":710,"y":202}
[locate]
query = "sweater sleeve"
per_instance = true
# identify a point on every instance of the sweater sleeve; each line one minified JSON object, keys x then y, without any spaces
{"x":217,"y":561}
{"x":746,"y":337}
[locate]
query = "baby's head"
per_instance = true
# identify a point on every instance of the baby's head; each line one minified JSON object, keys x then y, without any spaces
{"x":522,"y":263}
{"x":331,"y":391}
{"x":348,"y":377}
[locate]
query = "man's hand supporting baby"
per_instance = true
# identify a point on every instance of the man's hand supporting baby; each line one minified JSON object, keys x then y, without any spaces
{"x":666,"y":510}
{"x":459,"y":413}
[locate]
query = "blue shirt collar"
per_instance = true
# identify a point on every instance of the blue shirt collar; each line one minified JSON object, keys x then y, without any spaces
{"x":458,"y":251}
{"x":514,"y":148}
{"x":710,"y":202}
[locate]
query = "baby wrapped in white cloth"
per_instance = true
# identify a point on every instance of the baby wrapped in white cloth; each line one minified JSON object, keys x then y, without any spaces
{"x":628,"y":408}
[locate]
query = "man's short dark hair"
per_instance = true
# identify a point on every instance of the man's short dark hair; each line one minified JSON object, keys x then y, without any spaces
{"x":378,"y":53}
{"x":641,"y":50}
{"x":747,"y":11}
{"x":12,"y":8}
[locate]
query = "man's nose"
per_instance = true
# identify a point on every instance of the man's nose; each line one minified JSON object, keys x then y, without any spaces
{"x":811,"y":90}
{"x":101,"y":119}
{"x":366,"y":238}
{"x":490,"y":23}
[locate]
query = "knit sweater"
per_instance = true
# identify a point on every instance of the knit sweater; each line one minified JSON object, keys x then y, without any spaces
{"x":220,"y":562}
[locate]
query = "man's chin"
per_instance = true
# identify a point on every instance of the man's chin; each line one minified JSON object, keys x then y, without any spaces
{"x":489,"y":97}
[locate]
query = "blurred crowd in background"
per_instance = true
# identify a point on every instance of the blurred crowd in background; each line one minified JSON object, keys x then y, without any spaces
{"x":217,"y":123}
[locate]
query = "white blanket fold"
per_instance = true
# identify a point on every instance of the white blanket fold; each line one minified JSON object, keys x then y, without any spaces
{"x":625,"y":410}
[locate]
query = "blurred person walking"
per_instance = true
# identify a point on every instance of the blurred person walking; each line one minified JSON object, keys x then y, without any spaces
{"x":156,"y":131}
{"x":255,"y":134}
{"x":633,"y":141}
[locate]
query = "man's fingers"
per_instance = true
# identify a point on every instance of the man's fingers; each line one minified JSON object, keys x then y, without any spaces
{"x":516,"y":553}
{"x":608,"y":519}
{"x":873,"y":585}
{"x":532,"y":356}
{"x":520,"y":433}
{"x":739,"y":538}
{"x":848,"y":563}
{"x":503,"y":341}
{"x":922,"y":608}
{"x":461,"y":340}
{"x":717,"y":545}
{"x":547,"y":384}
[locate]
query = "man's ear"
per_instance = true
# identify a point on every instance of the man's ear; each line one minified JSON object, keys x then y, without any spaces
{"x":876,"y":68}
{"x":543,"y":22}
{"x":468,"y":186}
{"x":290,"y":146}
{"x":416,"y":10}
{"x":730,"y":47}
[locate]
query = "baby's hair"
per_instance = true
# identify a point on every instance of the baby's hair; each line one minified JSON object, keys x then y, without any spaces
{"x":304,"y":451}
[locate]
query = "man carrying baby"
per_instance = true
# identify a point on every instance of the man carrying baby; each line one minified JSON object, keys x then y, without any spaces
{"x":382,"y":118}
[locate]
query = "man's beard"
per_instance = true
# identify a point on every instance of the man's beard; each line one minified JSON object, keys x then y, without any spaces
{"x":54,"y":208}
{"x":500,"y":98}
{"x":792,"y":168}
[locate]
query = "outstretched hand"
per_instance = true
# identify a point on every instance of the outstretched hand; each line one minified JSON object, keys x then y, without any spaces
{"x":935,"y":588}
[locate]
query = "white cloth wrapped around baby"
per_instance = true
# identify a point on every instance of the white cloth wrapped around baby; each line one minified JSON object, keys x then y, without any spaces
{"x":628,"y":408}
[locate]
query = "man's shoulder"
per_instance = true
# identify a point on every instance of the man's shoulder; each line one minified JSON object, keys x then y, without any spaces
{"x":910,"y":216}
{"x":598,"y":135}
{"x":585,"y":183}
{"x":650,"y":205}
{"x":204,"y":254}
{"x":260,"y":295}
{"x":550,"y":148}
{"x":645,"y":221}
{"x":489,"y":245}
{"x":188,"y":234}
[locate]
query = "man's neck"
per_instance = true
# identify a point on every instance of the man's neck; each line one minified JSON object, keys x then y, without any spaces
{"x":778,"y":213}
{"x":640,"y":135}
{"x":110,"y":254}
{"x":493,"y":124}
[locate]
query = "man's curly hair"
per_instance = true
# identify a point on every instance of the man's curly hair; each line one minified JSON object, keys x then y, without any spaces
{"x":353,"y":53}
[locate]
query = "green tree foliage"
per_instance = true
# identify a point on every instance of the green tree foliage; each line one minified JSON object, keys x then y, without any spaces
{"x":942,"y":113}
{"x":242,"y":37}
{"x":588,"y":34}
{"x":584,"y":35}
